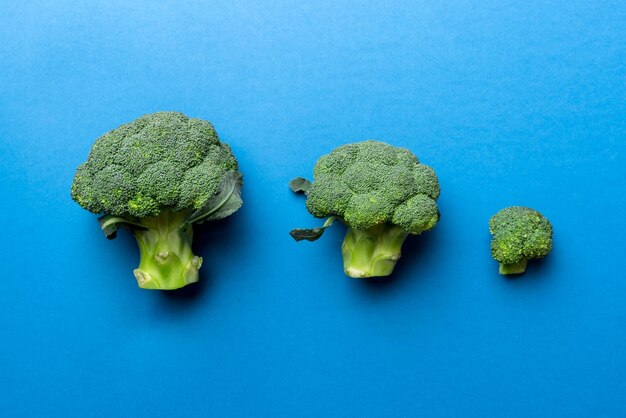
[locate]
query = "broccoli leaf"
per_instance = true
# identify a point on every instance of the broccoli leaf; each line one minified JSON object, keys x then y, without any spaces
{"x":110,"y":223}
{"x":311,"y":234}
{"x":300,"y":185}
{"x":225,"y":202}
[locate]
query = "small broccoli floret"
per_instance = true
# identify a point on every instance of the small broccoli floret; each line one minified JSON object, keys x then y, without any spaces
{"x":519,"y":234}
{"x":380,"y":192}
{"x":157,"y":176}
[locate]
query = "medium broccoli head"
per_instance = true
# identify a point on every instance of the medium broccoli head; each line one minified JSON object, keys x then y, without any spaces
{"x":381,"y":192}
{"x":369,"y":183}
{"x":519,"y":234}
{"x":157,"y":176}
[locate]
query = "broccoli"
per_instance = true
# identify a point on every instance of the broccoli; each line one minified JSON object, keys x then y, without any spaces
{"x":157,"y":176}
{"x":380,"y":192}
{"x":519,"y":234}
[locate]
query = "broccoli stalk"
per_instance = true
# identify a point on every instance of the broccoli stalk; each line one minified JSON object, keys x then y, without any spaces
{"x":166,"y":258}
{"x":372,"y":252}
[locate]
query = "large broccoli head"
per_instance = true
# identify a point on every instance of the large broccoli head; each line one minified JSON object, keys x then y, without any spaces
{"x":157,"y":176}
{"x":377,"y":190}
{"x":161,"y":161}
{"x":519,"y":234}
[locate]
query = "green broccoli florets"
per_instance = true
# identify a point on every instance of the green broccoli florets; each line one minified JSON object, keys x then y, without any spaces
{"x":519,"y":234}
{"x":380,"y":192}
{"x":157,"y":176}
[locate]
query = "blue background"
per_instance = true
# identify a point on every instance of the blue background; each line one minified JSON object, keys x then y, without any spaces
{"x":511,"y":102}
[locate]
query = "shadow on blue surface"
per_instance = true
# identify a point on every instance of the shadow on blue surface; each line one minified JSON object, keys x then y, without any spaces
{"x":186,"y":294}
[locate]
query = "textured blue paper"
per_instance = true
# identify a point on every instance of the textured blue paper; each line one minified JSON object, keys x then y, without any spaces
{"x":513,"y":103}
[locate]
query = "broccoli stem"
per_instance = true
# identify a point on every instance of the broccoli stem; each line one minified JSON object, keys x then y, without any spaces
{"x":515,"y":268}
{"x":167,"y":261}
{"x":372,"y":252}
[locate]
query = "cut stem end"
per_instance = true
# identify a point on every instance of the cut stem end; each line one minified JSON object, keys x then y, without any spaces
{"x":515,"y":268}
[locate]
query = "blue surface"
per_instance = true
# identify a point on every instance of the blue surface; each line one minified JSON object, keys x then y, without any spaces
{"x":511,"y":102}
